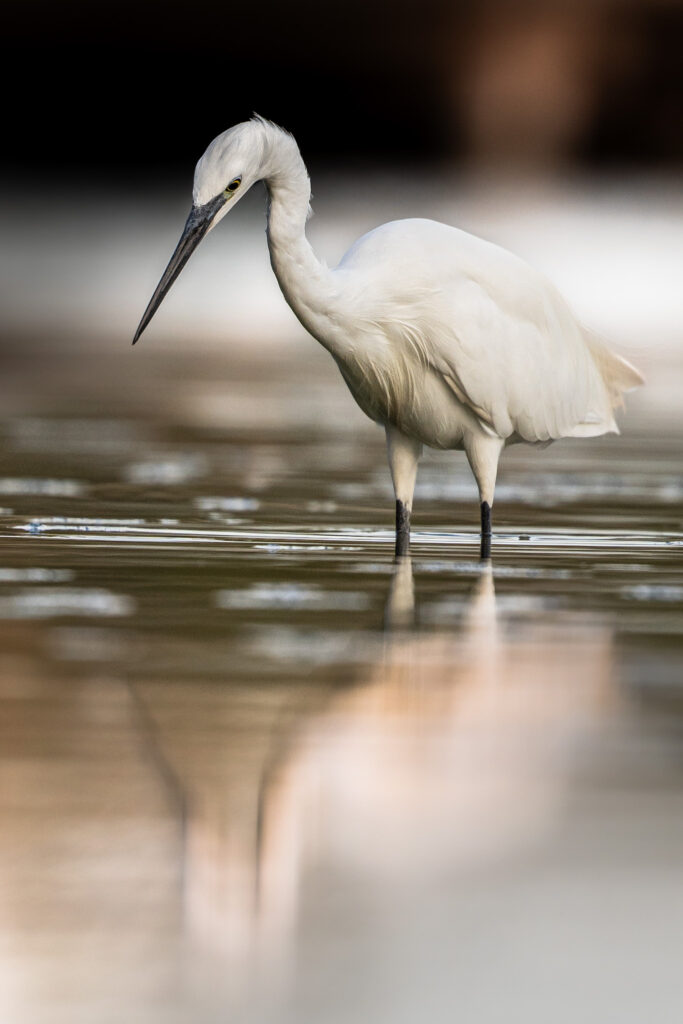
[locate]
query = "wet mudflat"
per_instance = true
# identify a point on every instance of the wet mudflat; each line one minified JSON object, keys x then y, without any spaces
{"x":253,"y":771}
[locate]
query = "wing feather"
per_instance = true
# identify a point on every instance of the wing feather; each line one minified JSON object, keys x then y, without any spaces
{"x":499,"y":334}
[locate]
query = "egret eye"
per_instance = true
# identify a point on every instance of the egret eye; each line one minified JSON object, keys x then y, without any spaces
{"x":233,"y":186}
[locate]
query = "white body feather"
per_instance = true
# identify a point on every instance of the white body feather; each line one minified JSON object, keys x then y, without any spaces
{"x":447,"y":326}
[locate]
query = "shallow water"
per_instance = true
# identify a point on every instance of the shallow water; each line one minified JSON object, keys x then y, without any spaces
{"x":254,"y":771}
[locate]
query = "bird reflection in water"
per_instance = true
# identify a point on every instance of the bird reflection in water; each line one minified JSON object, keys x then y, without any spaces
{"x":451,"y":751}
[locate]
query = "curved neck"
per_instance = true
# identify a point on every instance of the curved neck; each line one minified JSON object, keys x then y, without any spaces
{"x":305,"y":281}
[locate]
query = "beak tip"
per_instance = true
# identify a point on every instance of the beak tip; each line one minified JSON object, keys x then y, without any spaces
{"x":138,"y":333}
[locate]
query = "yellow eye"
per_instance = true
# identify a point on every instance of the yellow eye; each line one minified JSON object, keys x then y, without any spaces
{"x":232,"y":187}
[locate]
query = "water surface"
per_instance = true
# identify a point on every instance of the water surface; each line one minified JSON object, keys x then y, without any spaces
{"x":254,"y":771}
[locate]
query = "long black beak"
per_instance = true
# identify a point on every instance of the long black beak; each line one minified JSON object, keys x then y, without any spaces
{"x":197,"y":225}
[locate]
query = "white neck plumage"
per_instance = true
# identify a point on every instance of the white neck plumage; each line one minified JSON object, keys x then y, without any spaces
{"x":306,"y":283}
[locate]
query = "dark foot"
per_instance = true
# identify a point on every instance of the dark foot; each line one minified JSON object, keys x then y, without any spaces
{"x":402,"y":529}
{"x":485,"y":550}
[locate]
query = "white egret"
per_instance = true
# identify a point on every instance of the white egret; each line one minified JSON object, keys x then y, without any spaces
{"x":444,"y":339}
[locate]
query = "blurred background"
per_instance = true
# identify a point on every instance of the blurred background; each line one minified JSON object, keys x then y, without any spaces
{"x":250,"y":769}
{"x":551,"y":127}
{"x":137,"y":88}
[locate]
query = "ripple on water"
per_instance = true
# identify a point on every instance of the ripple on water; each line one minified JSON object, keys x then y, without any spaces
{"x":274,"y":549}
{"x":653,"y":592}
{"x":292,"y":596}
{"x":46,"y":486}
{"x":167,"y":471}
{"x":228,"y":504}
{"x":50,"y":602}
{"x":321,"y":506}
{"x":444,"y":611}
{"x":350,"y":539}
{"x":36,"y":575}
{"x":509,"y":571}
{"x":46,"y":521}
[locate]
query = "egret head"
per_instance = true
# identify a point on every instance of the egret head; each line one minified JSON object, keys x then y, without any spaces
{"x":227,"y":170}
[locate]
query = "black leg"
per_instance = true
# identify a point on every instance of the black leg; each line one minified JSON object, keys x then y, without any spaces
{"x":485,"y":550}
{"x":402,"y":529}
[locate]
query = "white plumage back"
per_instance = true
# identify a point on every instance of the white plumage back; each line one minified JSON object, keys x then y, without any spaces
{"x":498,"y":333}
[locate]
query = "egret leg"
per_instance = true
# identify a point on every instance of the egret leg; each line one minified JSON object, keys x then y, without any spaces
{"x":402,"y":529}
{"x":403,"y":453}
{"x":485,"y":547}
{"x":483,"y":453}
